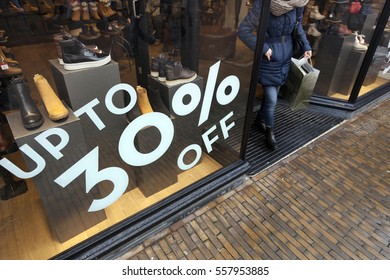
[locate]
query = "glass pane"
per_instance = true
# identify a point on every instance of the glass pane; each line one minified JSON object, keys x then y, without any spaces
{"x":340,"y":33}
{"x":378,"y":73}
{"x":152,"y":99}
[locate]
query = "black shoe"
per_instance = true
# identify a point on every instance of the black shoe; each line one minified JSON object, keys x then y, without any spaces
{"x":31,"y":116}
{"x":260,"y":124}
{"x":270,"y":138}
{"x":77,"y":56}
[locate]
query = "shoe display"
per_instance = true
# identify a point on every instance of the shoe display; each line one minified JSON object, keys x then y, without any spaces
{"x":143,"y":100}
{"x":76,"y":11}
{"x":28,"y":7}
{"x":88,"y":33}
{"x":85,"y":11}
{"x":93,"y":11}
{"x":54,"y":106}
{"x":312,"y":30}
{"x":158,"y":66}
{"x":45,"y":7}
{"x":6,"y":70}
{"x":77,"y":56}
{"x":31,"y":116}
{"x":177,"y":74}
{"x":104,"y":9}
{"x":315,"y":13}
{"x":359,"y":44}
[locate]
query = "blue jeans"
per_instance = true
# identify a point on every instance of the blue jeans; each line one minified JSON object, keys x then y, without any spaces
{"x":268,"y":104}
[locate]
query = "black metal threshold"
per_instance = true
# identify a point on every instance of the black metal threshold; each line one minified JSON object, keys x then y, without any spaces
{"x":293,"y":130}
{"x":116,"y":240}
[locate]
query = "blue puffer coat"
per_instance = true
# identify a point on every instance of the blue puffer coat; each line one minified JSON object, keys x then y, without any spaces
{"x":278,"y":38}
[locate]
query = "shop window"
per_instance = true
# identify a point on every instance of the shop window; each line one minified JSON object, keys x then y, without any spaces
{"x":134,"y":133}
{"x":340,"y":33}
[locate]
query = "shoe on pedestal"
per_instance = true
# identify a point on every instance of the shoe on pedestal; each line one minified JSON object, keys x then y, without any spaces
{"x":54,"y":107}
{"x":31,"y":116}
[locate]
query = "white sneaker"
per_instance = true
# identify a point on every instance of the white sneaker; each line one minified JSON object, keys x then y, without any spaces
{"x":358,"y":46}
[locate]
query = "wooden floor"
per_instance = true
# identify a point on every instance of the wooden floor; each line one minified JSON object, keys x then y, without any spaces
{"x":329,"y":200}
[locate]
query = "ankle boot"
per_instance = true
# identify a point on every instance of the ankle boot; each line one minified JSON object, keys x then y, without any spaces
{"x":260,"y":124}
{"x":31,"y":116}
{"x":76,"y":11}
{"x":270,"y":138}
{"x":143,"y":100}
{"x":85,"y":11}
{"x":93,"y":11}
{"x":54,"y":107}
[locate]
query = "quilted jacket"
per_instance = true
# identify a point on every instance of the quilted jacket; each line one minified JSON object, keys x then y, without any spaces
{"x":278,"y":38}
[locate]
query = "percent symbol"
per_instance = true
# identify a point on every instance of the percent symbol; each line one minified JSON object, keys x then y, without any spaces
{"x":226,"y":92}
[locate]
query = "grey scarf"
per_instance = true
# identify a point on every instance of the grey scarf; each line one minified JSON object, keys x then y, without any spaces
{"x":280,"y":7}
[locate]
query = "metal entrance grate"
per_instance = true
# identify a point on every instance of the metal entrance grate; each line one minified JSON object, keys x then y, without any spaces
{"x":293,"y":129}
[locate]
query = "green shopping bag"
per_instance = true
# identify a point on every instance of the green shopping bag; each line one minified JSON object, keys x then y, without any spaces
{"x":300,"y":83}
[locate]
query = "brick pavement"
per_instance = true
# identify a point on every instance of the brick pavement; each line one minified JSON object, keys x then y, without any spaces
{"x":328,"y":200}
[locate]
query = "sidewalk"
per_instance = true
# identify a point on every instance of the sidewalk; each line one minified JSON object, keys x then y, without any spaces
{"x":328,"y":200}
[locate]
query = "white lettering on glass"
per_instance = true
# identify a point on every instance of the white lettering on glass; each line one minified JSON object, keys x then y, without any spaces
{"x":127,"y":149}
{"x":90,"y":165}
{"x":231,"y":82}
{"x":209,"y":93}
{"x":180,"y":160}
{"x":55,"y":151}
{"x":33,"y":155}
{"x":225,"y":128}
{"x":88,"y":109}
{"x":207,"y":141}
{"x":110,"y":94}
{"x":178,"y":105}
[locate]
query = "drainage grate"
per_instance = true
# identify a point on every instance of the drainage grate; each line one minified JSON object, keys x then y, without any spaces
{"x":293,"y":130}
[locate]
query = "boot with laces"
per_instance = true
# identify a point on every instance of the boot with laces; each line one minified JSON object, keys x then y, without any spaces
{"x":177,"y":74}
{"x":85,"y":11}
{"x":77,"y":56}
{"x":76,"y":11}
{"x":158,"y":66}
{"x":93,"y":11}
